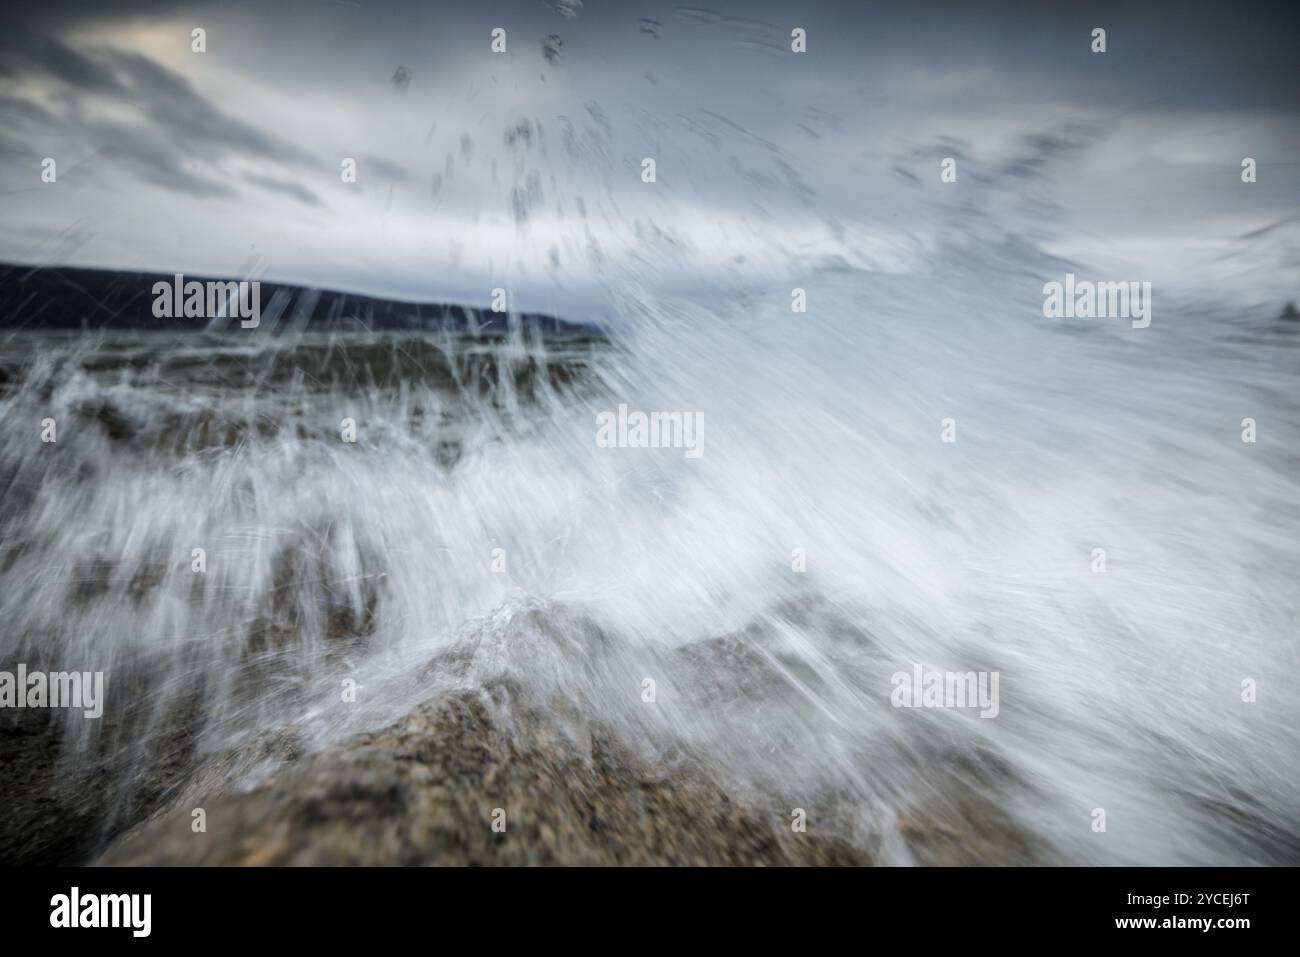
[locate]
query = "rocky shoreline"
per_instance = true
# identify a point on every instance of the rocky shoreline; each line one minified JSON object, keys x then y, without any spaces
{"x":425,"y":791}
{"x":427,"y":788}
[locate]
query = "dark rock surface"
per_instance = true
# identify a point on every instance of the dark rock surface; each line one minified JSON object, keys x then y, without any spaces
{"x":61,"y":813}
{"x":575,"y":791}
{"x":424,"y":791}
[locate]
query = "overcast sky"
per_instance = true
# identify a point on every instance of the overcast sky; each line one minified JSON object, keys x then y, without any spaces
{"x":523,"y":169}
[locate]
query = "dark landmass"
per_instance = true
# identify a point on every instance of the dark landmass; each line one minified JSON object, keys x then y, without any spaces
{"x":68,"y":298}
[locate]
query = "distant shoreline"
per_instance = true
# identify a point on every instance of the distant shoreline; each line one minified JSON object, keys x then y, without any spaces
{"x":76,"y":299}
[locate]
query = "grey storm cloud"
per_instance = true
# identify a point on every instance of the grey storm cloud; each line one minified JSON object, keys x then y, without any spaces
{"x":22,"y":112}
{"x":24,"y":50}
{"x":180,"y":123}
{"x":285,"y":187}
{"x":172,"y":103}
{"x":533,"y":157}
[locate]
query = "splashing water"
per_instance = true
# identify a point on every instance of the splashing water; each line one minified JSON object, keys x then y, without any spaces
{"x":475,"y":530}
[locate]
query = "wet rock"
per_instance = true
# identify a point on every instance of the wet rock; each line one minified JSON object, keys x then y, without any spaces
{"x":41,"y":823}
{"x":574,"y":789}
{"x":118,"y":427}
{"x":90,"y":580}
{"x":448,"y":452}
{"x":425,"y":790}
{"x":61,"y":807}
{"x":67,"y":799}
